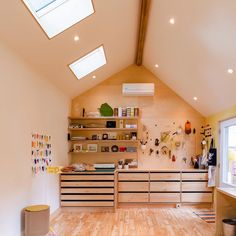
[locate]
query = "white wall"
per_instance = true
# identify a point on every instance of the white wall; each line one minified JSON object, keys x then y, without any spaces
{"x":28,"y":103}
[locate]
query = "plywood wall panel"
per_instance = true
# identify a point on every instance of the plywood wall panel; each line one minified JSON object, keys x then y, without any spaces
{"x":162,"y":112}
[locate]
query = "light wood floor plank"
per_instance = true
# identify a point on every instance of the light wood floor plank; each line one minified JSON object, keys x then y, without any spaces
{"x":132,"y":222}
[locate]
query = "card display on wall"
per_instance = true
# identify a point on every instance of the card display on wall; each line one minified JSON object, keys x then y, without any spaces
{"x":41,"y":152}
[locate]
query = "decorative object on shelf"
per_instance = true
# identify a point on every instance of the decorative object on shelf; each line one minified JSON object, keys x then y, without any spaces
{"x":132,"y":163}
{"x":93,"y":114}
{"x":41,"y":152}
{"x":115,"y":113}
{"x":104,"y":136}
{"x":77,"y":147}
{"x":106,"y":110}
{"x":105,"y":149}
{"x":134,"y":135}
{"x":75,"y":126}
{"x":121,"y":124}
{"x":187,"y":128}
{"x":131,"y":149}
{"x":120,"y":165}
{"x":127,"y":136}
{"x":112,"y":135}
{"x":83,"y":114}
{"x":126,"y":166}
{"x":94,"y":137}
{"x":76,"y":138}
{"x":131,"y":126}
{"x":122,"y":149}
{"x":92,"y":147}
{"x":111,"y":124}
{"x":136,"y":111}
{"x":94,"y":125}
{"x":114,"y":148}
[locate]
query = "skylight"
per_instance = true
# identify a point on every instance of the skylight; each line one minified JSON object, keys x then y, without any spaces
{"x":55,"y":16}
{"x":89,"y":63}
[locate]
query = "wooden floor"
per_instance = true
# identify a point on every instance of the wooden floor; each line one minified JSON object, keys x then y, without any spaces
{"x":132,"y":222}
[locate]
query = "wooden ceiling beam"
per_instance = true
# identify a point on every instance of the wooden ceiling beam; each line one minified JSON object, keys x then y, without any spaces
{"x":144,"y":13}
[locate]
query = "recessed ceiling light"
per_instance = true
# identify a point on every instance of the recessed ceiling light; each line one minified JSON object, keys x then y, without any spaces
{"x":230,"y":71}
{"x":172,"y":21}
{"x":55,"y":16}
{"x":89,"y":63}
{"x":76,"y":38}
{"x":195,"y":98}
{"x":156,"y":65}
{"x":94,"y":76}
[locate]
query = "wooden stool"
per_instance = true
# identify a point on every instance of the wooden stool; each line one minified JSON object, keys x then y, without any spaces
{"x":37,"y":220}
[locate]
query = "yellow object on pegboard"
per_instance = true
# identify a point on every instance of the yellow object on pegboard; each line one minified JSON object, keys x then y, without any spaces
{"x":37,"y":208}
{"x":54,"y":169}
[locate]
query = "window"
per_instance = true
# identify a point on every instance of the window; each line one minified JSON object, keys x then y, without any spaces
{"x":89,"y":63}
{"x":55,"y":16}
{"x":228,"y":152}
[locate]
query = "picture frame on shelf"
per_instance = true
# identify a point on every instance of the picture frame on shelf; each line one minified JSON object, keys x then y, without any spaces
{"x":92,"y":147}
{"x":105,"y":149}
{"x":77,"y":147}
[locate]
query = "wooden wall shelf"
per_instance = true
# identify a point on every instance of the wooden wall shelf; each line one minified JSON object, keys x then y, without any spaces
{"x":105,"y":118}
{"x":105,"y":141}
{"x":98,"y":129}
{"x":105,"y":153}
{"x":103,"y":129}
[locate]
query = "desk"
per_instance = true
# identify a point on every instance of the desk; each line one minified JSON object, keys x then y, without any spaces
{"x":225,"y":207}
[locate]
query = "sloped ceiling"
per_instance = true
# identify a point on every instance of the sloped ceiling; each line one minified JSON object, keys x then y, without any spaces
{"x":114,"y":24}
{"x":193,"y":54}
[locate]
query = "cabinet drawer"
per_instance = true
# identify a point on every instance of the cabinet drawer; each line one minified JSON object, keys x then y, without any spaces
{"x":164,"y":176}
{"x":87,"y":190}
{"x":87,"y":184}
{"x":164,"y":197}
{"x":133,"y":197}
{"x":133,"y":186}
{"x":87,"y":197}
{"x":87,"y":204}
{"x":164,"y":186}
{"x":197,"y":197}
{"x":195,"y":186}
{"x":194,"y":176}
{"x":87,"y":177}
{"x":133,"y":176}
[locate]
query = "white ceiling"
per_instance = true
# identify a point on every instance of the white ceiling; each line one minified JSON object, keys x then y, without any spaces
{"x":114,"y":24}
{"x":193,"y":55}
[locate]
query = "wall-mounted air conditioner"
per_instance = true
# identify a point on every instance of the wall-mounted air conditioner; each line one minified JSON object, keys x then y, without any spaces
{"x":138,"y":89}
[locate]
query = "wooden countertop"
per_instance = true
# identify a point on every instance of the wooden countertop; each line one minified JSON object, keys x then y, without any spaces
{"x":231,"y":192}
{"x":160,"y":170}
{"x":137,"y":170}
